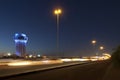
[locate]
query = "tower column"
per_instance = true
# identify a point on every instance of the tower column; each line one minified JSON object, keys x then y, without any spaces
{"x":20,"y":43}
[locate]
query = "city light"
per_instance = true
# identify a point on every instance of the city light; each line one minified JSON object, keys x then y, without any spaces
{"x":30,"y":56}
{"x":22,"y":41}
{"x":38,"y":55}
{"x":94,"y":42}
{"x":16,"y":34}
{"x":101,"y":47}
{"x":9,"y":54}
{"x":58,"y":11}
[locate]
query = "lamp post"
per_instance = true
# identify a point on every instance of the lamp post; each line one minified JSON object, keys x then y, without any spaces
{"x":101,"y":48}
{"x":57,"y":12}
{"x":94,"y":43}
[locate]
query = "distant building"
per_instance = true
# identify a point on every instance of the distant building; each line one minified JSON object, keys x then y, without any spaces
{"x":20,"y":43}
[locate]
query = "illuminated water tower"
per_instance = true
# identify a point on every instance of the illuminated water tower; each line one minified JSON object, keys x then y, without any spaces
{"x":20,"y":43}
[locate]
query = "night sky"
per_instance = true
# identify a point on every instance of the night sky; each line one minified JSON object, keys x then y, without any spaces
{"x":80,"y":22}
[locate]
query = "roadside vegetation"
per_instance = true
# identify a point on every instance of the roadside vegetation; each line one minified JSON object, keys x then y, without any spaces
{"x":116,"y":57}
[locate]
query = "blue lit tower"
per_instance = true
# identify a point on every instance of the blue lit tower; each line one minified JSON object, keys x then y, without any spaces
{"x":20,"y":43}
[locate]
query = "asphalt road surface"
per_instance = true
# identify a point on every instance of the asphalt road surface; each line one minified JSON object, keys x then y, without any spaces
{"x":12,"y":70}
{"x":91,"y":71}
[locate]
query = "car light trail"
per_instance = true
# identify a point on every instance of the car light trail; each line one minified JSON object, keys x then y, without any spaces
{"x":28,"y":63}
{"x":22,"y":63}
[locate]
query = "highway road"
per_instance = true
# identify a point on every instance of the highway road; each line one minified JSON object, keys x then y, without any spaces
{"x":11,"y":70}
{"x":91,"y":71}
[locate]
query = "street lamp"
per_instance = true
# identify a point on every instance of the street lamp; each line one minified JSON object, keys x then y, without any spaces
{"x":94,"y":43}
{"x":101,"y":48}
{"x":57,"y":12}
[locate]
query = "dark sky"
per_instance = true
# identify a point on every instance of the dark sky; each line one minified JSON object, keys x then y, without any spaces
{"x":80,"y":22}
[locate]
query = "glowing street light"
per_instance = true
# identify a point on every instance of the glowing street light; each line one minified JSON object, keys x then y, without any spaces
{"x":94,"y":42}
{"x":57,"y":12}
{"x":101,"y":47}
